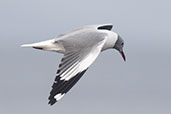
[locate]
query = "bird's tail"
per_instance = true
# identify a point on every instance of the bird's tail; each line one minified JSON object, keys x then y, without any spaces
{"x":48,"y":45}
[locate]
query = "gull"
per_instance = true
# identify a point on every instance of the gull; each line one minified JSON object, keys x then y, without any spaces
{"x":80,"y":49}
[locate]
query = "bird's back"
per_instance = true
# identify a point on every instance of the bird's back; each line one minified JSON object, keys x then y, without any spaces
{"x":80,"y":39}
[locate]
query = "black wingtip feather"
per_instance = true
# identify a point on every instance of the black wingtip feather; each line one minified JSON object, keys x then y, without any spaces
{"x":63,"y":86}
{"x":52,"y":101}
{"x":105,"y":27}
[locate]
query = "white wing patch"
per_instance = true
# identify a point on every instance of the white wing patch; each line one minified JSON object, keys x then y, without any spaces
{"x":82,"y":60}
{"x":59,"y":96}
{"x":69,"y":71}
{"x":90,"y":58}
{"x":82,"y":63}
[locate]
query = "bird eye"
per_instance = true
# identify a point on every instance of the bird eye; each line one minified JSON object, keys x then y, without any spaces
{"x":122,"y":43}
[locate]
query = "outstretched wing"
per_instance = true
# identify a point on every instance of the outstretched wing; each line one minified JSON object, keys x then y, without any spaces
{"x":73,"y":65}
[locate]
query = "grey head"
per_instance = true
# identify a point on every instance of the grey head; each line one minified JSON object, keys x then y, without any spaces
{"x":119,"y":46}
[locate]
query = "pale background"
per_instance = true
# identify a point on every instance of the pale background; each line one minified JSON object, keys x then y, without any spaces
{"x":142,"y":85}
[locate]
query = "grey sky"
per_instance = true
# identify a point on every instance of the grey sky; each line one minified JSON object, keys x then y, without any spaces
{"x":139,"y":86}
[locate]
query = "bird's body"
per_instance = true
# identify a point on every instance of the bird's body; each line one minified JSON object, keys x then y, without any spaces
{"x":80,"y":48}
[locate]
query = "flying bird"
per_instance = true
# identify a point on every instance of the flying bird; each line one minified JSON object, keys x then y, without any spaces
{"x":80,"y":49}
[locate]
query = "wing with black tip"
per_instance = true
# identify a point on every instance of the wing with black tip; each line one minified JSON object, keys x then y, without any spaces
{"x":73,"y":65}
